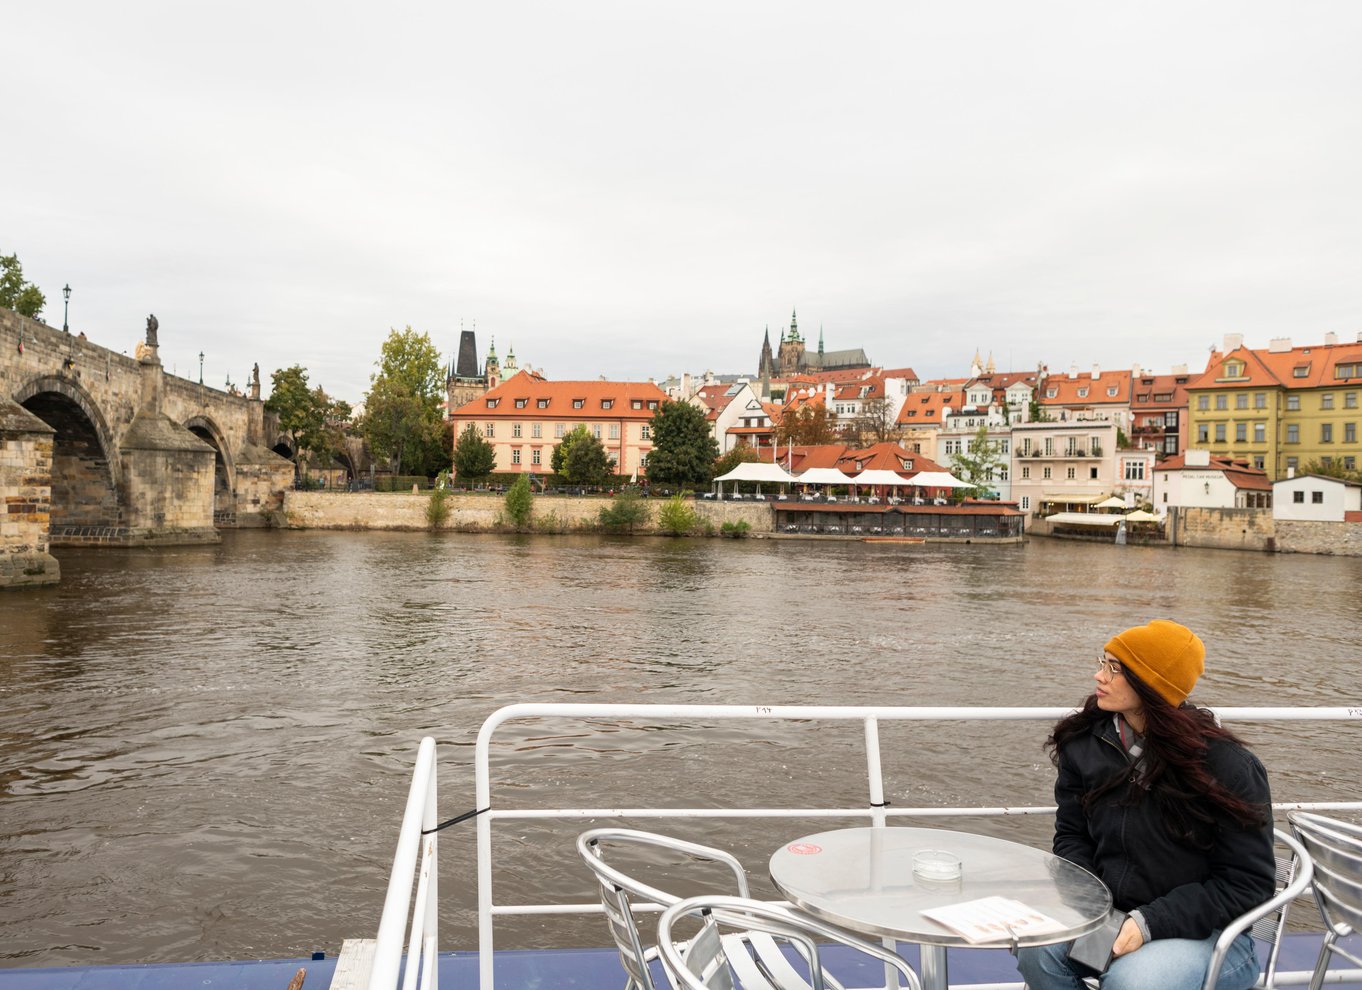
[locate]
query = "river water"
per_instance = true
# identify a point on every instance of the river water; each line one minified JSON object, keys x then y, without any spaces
{"x":205,"y":751}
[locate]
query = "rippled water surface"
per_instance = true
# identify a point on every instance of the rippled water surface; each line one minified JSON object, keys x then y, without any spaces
{"x":205,"y":751}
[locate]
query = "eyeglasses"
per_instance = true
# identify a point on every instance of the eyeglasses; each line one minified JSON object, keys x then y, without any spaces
{"x":1112,"y":667}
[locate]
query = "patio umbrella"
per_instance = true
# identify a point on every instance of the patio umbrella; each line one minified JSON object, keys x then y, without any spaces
{"x":1139,"y":515}
{"x":1111,"y":503}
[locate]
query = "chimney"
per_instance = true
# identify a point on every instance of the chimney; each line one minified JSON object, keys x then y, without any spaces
{"x":1096,"y":372}
{"x":1279,"y":345}
{"x":1179,"y":369}
{"x":1331,"y":339}
{"x":1197,"y":457}
{"x":685,"y":386}
{"x":1136,"y":371}
{"x":1233,"y":341}
{"x":1073,"y":371}
{"x":1290,"y":472}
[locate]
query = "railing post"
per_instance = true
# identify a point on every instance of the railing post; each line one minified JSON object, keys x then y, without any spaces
{"x":873,"y":772}
{"x":432,"y":947}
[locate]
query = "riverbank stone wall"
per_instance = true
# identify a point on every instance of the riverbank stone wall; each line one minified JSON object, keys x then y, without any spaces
{"x":25,"y":498}
{"x":1341,"y":539}
{"x":479,"y":513}
{"x":1221,"y":529}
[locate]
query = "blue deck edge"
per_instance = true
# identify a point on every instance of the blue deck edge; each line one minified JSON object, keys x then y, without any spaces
{"x":516,"y":969}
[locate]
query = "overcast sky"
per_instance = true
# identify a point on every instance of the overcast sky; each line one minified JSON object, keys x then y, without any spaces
{"x":637,"y":189}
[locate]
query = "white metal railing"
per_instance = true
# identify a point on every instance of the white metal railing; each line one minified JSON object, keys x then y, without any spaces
{"x":421,"y":805}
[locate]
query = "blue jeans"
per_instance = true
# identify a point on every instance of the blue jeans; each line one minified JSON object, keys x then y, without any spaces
{"x":1165,"y":963}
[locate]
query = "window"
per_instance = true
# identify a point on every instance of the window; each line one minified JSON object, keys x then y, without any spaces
{"x":515,"y":456}
{"x":515,"y":430}
{"x":1170,"y":444}
{"x":1258,"y":461}
{"x":614,"y":431}
{"x":559,"y":429}
{"x":596,"y":430}
{"x":645,"y":432}
{"x":1045,"y":473}
{"x":1293,"y":462}
{"x":536,"y":430}
{"x":1316,"y":498}
{"x":1026,"y":472}
{"x":1240,"y":432}
{"x":1326,"y":432}
{"x":1219,"y":432}
{"x":1300,"y":371}
{"x":1083,"y":392}
{"x":1050,"y":393}
{"x":1293,"y":433}
{"x":1326,"y":401}
{"x":1349,"y":400}
{"x":543,"y":403}
{"x":1298,"y":498}
{"x":521,"y":403}
{"x":1026,"y":502}
{"x":1293,"y":403}
{"x":492,"y":403}
{"x":1241,"y":400}
{"x":1203,"y":402}
{"x":491,"y":430}
{"x":1347,"y":370}
{"x":1259,"y":432}
{"x":1170,"y":421}
{"x":637,"y":403}
{"x":1234,"y":369}
{"x":578,"y":403}
{"x":1350,"y":433}
{"x":652,"y":403}
{"x":1111,"y":391}
{"x":1092,"y":474}
{"x":1259,"y":400}
{"x":1350,"y":463}
{"x":1222,"y":401}
{"x":1049,"y":446}
{"x":1002,"y":473}
{"x":1203,"y":433}
{"x":534,"y":456}
{"x":1071,"y":473}
{"x":1134,"y":470}
{"x":607,"y":403}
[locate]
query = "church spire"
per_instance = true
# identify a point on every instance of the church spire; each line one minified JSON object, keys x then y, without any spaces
{"x":820,"y":338}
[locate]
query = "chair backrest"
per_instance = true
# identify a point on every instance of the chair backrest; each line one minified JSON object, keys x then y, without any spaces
{"x":620,"y":893}
{"x":1336,"y":848}
{"x":705,"y":962}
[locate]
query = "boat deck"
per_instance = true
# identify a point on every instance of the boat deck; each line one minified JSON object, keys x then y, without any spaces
{"x":529,"y":969}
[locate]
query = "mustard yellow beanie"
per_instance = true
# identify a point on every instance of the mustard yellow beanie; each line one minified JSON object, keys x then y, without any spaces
{"x":1165,"y":655}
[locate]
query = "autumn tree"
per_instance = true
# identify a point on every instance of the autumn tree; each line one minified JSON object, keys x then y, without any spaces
{"x":807,"y":426}
{"x":402,"y":417}
{"x":23,"y":297}
{"x":877,"y":422}
{"x":684,"y":447}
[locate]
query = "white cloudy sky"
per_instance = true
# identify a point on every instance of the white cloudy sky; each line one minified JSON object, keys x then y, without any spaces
{"x":638,"y":188}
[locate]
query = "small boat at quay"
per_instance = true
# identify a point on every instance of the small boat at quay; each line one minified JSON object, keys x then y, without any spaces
{"x":405,"y":948}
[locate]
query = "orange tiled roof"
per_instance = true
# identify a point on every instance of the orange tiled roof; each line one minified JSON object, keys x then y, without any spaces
{"x":1238,"y":473}
{"x":1144,"y":390}
{"x":1094,"y":390}
{"x":1312,"y":366}
{"x":798,"y":399}
{"x":527,"y":395}
{"x":907,"y":373}
{"x":924,"y":408}
{"x":887,"y":456}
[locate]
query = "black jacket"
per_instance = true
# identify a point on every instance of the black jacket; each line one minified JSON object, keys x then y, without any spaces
{"x":1182,"y":892}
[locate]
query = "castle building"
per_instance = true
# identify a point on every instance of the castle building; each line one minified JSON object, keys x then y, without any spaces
{"x":464,"y":382}
{"x":793,"y":358}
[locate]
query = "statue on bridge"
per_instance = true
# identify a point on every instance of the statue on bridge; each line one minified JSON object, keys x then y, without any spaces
{"x":152,"y":327}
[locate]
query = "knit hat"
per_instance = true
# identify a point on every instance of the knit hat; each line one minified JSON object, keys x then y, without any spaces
{"x":1165,"y":655}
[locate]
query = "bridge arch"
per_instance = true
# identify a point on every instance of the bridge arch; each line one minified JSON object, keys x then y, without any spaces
{"x":86,"y":470}
{"x":224,"y":468}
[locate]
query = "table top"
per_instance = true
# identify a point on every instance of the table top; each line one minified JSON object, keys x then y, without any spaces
{"x":862,"y":879}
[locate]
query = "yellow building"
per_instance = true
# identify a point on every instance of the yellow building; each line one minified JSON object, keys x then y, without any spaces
{"x":1280,"y":408}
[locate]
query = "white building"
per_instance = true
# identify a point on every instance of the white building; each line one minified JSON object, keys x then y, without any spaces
{"x":1195,"y":478}
{"x":1059,"y":466}
{"x":1315,"y":497}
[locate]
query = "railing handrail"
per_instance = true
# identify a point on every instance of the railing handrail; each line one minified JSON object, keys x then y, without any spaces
{"x":875,"y":808}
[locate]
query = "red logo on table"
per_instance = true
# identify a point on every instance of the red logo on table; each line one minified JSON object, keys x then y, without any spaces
{"x":804,"y":849}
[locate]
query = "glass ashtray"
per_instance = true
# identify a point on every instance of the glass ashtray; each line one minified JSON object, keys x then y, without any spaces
{"x":936,"y":864}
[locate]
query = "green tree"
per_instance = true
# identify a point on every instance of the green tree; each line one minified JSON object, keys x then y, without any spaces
{"x":437,"y":509}
{"x":978,"y":463}
{"x":808,"y":426}
{"x":474,"y":457}
{"x":402,"y":419}
{"x":684,"y":447}
{"x":23,"y":297}
{"x":559,"y":459}
{"x":677,"y":516}
{"x":314,"y":421}
{"x":1334,"y":469}
{"x":520,"y":502}
{"x":743,"y":453}
{"x":586,"y":462}
{"x":625,"y":511}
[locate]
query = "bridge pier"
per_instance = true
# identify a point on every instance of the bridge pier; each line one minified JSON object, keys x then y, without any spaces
{"x":25,"y":498}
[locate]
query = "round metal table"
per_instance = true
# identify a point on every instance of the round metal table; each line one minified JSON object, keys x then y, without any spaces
{"x":862,"y":879}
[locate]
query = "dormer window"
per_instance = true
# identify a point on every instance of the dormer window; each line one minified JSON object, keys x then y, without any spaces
{"x":607,"y":403}
{"x":1050,"y":393}
{"x":1234,"y":369}
{"x":637,"y":403}
{"x":907,"y":464}
{"x":652,"y":403}
{"x":1111,"y":391}
{"x":543,"y":403}
{"x":1300,"y":371}
{"x":1083,"y":392}
{"x":492,"y":403}
{"x":578,"y":403}
{"x":521,"y":403}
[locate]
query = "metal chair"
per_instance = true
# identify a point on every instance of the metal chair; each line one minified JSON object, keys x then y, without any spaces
{"x":1336,"y":848}
{"x":710,"y":961}
{"x":621,"y":893}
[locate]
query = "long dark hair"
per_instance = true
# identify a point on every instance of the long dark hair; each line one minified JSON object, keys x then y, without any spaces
{"x":1190,"y":801}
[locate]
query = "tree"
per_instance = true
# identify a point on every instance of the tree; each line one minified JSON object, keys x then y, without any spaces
{"x":474,"y":457}
{"x":677,"y":516}
{"x":978,"y":463}
{"x":625,"y":511}
{"x":313,"y":420}
{"x":684,"y":447}
{"x":740,"y":454}
{"x":402,"y":417}
{"x":586,"y":462}
{"x":1334,"y":469}
{"x":558,"y":461}
{"x":877,"y":422}
{"x":16,"y":294}
{"x":519,"y":502}
{"x":808,"y":426}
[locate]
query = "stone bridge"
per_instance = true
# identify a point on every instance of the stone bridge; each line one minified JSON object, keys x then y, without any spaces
{"x":100,"y":448}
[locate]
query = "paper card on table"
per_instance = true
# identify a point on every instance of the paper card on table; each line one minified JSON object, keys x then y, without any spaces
{"x":993,"y":919}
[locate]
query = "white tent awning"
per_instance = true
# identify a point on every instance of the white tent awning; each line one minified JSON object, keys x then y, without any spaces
{"x":762,"y":472}
{"x":1107,"y":519}
{"x":937,"y":479}
{"x":1076,"y":498}
{"x":825,"y":476}
{"x":879,"y":476}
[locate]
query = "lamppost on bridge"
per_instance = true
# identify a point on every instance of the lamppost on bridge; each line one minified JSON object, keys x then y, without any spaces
{"x":200,"y":367}
{"x":65,"y":306}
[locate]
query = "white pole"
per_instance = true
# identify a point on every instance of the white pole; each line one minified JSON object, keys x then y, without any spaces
{"x":393,"y":924}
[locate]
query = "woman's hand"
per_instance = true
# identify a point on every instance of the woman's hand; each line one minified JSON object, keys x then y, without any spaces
{"x":1128,"y":939}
